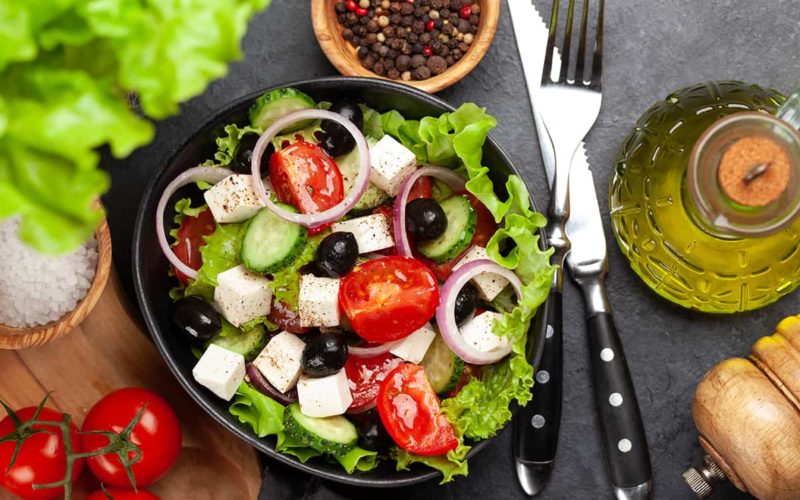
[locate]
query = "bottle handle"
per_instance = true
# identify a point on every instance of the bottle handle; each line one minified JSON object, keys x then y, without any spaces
{"x":790,"y":110}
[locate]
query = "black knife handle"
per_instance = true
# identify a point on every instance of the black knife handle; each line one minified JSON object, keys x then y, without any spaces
{"x":624,"y":439}
{"x":537,"y":423}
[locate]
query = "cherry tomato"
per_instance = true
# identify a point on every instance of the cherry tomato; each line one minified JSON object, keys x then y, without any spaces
{"x":409,"y":410}
{"x":388,"y":298}
{"x":158,"y":435}
{"x":365,"y":376}
{"x":304,"y":176}
{"x":190,"y":239}
{"x":286,"y":319}
{"x":42,"y":459}
{"x":422,"y":188}
{"x":122,"y":494}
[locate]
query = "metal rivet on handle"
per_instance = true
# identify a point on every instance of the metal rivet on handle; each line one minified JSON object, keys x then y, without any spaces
{"x":607,"y":355}
{"x":537,"y":421}
{"x":615,"y":399}
{"x":624,"y":445}
{"x":543,"y":376}
{"x":550,"y":332}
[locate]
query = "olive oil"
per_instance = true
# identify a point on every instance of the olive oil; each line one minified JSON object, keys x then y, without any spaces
{"x":733,"y":259}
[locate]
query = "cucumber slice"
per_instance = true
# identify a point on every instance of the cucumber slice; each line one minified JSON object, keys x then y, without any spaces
{"x":442,"y":366}
{"x":372,"y":197}
{"x":273,"y":105}
{"x":334,"y":435}
{"x":271,"y":243}
{"x":249,"y":344}
{"x":461,"y":220}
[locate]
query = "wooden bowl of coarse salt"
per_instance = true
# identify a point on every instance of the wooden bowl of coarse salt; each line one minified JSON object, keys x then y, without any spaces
{"x":43,"y":298}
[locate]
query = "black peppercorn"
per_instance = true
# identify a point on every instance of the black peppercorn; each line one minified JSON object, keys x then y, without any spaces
{"x":436,"y":64}
{"x":379,"y":68}
{"x":393,"y":74}
{"x":347,"y":34}
{"x":418,"y":60}
{"x":341,"y":7}
{"x":403,"y":62}
{"x":463,"y":26}
{"x":416,"y":48}
{"x":424,"y":38}
{"x":372,"y":26}
{"x":450,"y":60}
{"x":406,"y":8}
{"x":407,"y":21}
{"x":362,"y":52}
{"x":422,"y":73}
{"x":370,"y":38}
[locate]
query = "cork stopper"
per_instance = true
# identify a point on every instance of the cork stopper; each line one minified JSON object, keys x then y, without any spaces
{"x":754,"y":171}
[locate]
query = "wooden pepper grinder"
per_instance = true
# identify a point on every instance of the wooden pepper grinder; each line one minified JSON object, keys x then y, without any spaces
{"x":747,"y":412}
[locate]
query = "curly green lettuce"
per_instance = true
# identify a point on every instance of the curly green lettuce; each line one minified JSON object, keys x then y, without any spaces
{"x":456,"y":139}
{"x":67,"y":69}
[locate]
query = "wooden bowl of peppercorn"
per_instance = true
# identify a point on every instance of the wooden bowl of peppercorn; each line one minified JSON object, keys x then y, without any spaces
{"x":429,"y":44}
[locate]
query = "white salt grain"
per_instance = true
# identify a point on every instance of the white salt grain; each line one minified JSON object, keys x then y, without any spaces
{"x":36,"y":289}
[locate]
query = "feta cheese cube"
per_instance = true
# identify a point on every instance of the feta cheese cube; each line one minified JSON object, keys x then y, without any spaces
{"x":392,"y":163}
{"x":242,"y":295}
{"x":280,"y":361}
{"x":319,"y":301}
{"x":488,"y":284}
{"x":477,"y":332}
{"x":233,"y":199}
{"x":324,"y":396}
{"x":372,"y":232}
{"x":414,"y":347}
{"x":220,"y":370}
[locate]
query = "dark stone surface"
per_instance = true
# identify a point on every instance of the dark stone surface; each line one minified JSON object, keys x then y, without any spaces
{"x":652,"y":47}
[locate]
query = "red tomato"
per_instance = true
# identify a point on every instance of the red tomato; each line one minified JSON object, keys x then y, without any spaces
{"x":409,"y":410}
{"x":422,"y":188}
{"x":485,"y":226}
{"x":388,"y":298}
{"x":42,"y":459}
{"x":304,"y":176}
{"x":286,"y":319}
{"x":158,"y":435}
{"x":365,"y":376}
{"x":190,"y":239}
{"x":121,"y":494}
{"x":444,"y":270}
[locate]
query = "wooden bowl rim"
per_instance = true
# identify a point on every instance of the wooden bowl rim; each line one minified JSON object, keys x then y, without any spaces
{"x":21,"y":338}
{"x":343,"y":56}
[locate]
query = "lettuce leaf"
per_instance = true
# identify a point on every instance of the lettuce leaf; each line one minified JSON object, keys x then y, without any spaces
{"x":67,"y":71}
{"x":286,"y":283}
{"x":226,"y":144}
{"x":451,"y":465}
{"x":265,"y":416}
{"x":456,"y":139}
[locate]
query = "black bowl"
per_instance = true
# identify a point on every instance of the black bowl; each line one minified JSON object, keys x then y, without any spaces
{"x":150,"y":267}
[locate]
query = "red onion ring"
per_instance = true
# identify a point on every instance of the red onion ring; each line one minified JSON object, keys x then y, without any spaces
{"x":445,"y":313}
{"x":372,"y":351}
{"x":207,"y":174}
{"x":334,"y":213}
{"x":446,"y":175}
{"x":262,"y":385}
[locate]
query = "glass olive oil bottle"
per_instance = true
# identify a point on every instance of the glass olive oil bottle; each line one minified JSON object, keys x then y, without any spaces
{"x":706,"y":193}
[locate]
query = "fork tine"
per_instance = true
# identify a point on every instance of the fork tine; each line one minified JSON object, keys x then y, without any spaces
{"x":567,"y":42}
{"x":597,"y":62}
{"x":551,"y":44}
{"x":579,"y":70}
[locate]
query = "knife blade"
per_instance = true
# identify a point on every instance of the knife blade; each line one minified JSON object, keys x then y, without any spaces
{"x":537,"y":424}
{"x":623,"y":434}
{"x":530,"y":33}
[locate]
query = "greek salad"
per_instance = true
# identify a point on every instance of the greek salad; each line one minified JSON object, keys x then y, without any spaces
{"x":354,"y":284}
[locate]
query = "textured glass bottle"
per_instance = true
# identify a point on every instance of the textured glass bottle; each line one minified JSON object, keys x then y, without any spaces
{"x":689,"y":243}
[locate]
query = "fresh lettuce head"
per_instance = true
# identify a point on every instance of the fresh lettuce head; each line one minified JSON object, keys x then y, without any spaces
{"x":67,"y":69}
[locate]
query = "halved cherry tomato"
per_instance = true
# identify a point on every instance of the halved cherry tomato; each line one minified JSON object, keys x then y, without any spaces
{"x":158,"y":436}
{"x":388,"y":298}
{"x":42,"y":458}
{"x":365,"y":376}
{"x":304,"y":176}
{"x":190,"y":239}
{"x":286,"y":319}
{"x":422,"y":188}
{"x":409,"y":410}
{"x":120,"y":494}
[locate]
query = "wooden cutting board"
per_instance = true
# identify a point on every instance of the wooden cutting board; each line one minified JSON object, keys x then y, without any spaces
{"x":109,"y":351}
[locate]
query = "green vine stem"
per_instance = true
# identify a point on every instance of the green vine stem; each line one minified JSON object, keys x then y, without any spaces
{"x":120,"y":443}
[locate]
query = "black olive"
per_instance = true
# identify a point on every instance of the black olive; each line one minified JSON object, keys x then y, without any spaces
{"x":243,"y":155}
{"x":425,"y":219}
{"x":195,"y":318}
{"x":466,"y":302}
{"x":336,"y":140}
{"x":324,"y":355}
{"x":371,"y":433}
{"x":337,"y":254}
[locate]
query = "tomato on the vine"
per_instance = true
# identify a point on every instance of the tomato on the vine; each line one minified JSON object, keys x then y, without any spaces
{"x":410,"y":411}
{"x":122,"y":494}
{"x":157,"y":434}
{"x":42,"y":458}
{"x":190,"y":237}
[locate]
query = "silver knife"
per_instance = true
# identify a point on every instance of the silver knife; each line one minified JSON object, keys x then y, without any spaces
{"x":536,"y":426}
{"x":624,"y":440}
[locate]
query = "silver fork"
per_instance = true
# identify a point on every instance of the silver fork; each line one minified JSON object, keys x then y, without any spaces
{"x":568,"y":107}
